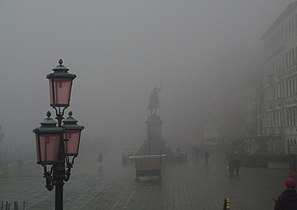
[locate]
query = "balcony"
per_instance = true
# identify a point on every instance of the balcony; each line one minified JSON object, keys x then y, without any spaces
{"x":291,"y":101}
{"x":274,"y":131}
{"x":290,"y":71}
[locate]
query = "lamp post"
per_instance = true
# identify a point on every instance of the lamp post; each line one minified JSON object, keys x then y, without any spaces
{"x":57,"y":144}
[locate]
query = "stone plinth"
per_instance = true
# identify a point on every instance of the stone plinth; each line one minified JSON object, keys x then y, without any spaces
{"x":154,"y":144}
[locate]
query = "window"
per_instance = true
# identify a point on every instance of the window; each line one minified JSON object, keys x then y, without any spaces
{"x":294,"y":114}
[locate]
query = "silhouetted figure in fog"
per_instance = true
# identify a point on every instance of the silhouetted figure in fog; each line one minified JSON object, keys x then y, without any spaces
{"x":179,"y":155}
{"x":234,"y":164}
{"x":230,"y":167}
{"x":195,"y":150}
{"x":20,"y":165}
{"x":288,"y":198}
{"x":124,"y":159}
{"x":206,"y":155}
{"x":237,"y":166}
{"x":100,"y":159}
{"x":154,"y":101}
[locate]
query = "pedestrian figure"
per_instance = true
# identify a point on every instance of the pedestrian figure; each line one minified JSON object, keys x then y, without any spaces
{"x":231,"y":167}
{"x":206,"y":155}
{"x":179,"y":155}
{"x":287,"y":200}
{"x":124,"y":159}
{"x":234,"y":164}
{"x":237,"y":166}
{"x":195,"y":150}
{"x":100,"y":159}
{"x":20,"y":165}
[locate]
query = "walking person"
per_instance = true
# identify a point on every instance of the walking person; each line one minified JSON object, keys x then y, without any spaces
{"x":20,"y":165}
{"x":231,"y":167}
{"x":234,"y":164}
{"x":287,"y":200}
{"x":237,"y":166}
{"x":206,"y":155}
{"x":100,"y":159}
{"x":195,"y":150}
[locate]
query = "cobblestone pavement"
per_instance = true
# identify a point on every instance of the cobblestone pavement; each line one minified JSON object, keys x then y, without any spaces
{"x":188,"y":186}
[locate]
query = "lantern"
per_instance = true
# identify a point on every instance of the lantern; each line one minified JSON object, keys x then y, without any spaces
{"x":60,"y":84}
{"x":72,"y":133}
{"x":48,"y":141}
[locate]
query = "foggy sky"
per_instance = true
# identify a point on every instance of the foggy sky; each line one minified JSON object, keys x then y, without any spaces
{"x":120,"y":50}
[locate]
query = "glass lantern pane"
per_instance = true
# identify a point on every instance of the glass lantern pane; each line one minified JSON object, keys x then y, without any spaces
{"x":60,"y":91}
{"x":49,"y":146}
{"x":37,"y":148}
{"x":72,"y":143}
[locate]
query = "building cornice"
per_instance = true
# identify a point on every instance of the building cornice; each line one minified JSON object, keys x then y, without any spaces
{"x":290,"y":8}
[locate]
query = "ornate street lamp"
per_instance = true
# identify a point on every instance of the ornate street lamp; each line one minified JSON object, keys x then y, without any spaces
{"x":57,"y":143}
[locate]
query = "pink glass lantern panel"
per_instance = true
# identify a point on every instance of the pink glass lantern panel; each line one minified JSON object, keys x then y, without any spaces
{"x":48,"y":148}
{"x":60,"y":91}
{"x":72,"y":142}
{"x":37,"y":147}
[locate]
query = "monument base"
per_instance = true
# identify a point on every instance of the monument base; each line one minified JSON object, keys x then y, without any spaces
{"x":156,"y":148}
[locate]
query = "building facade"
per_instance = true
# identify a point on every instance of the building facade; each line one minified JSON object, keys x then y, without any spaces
{"x":280,"y":82}
{"x":234,"y":108}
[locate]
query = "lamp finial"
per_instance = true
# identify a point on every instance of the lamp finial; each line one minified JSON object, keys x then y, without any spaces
{"x":48,"y":114}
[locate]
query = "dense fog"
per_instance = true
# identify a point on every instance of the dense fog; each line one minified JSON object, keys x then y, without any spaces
{"x":119,"y":51}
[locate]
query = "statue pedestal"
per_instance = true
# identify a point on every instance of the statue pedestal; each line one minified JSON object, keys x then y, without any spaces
{"x":154,"y":144}
{"x":154,"y":128}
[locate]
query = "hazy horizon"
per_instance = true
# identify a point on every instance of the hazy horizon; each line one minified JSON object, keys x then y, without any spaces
{"x":119,"y":51}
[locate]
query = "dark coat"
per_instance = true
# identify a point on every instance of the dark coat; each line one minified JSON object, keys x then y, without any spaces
{"x":287,"y":200}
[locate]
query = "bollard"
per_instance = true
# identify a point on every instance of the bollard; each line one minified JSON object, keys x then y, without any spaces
{"x":226,"y":204}
{"x":24,"y":205}
{"x":2,"y":205}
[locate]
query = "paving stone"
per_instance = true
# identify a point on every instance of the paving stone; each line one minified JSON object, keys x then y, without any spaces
{"x":188,"y":186}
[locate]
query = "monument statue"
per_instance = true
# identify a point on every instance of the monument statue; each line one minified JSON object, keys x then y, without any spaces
{"x":154,"y":101}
